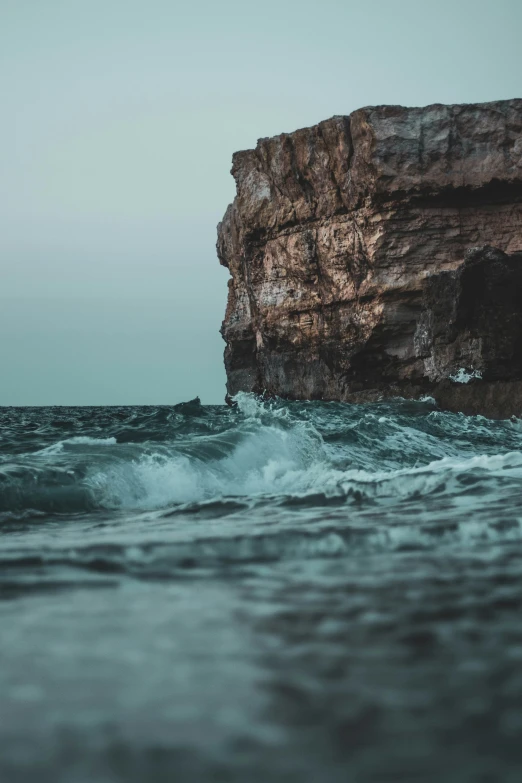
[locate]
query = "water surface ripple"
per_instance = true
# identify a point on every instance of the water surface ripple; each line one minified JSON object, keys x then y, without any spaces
{"x":273,"y":592}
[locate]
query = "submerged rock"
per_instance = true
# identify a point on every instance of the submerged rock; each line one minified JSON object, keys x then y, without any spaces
{"x":380,"y":254}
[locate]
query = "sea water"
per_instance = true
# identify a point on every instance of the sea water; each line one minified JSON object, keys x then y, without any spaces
{"x":274,"y":591}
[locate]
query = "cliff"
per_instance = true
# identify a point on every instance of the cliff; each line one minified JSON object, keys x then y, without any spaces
{"x":380,"y":254}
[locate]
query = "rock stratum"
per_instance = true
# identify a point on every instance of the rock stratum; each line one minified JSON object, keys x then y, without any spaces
{"x":380,"y":254}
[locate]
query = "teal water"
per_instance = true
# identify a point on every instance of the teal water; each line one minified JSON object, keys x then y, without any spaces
{"x":274,"y":592}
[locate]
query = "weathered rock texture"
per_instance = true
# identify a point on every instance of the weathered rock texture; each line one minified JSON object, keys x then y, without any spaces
{"x":378,"y":254}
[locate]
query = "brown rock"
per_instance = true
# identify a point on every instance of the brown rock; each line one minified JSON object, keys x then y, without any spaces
{"x":378,"y":255}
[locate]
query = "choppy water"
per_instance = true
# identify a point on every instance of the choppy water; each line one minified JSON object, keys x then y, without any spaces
{"x":284,"y":591}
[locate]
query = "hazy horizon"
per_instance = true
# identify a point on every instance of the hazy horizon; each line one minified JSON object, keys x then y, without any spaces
{"x":120,"y":120}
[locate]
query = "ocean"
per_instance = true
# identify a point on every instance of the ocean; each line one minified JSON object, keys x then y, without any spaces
{"x":276,"y":591}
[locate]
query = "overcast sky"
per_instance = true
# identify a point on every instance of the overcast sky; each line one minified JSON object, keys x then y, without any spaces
{"x":119,"y":120}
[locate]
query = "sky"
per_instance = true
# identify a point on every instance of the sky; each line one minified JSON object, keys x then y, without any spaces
{"x":119,"y":120}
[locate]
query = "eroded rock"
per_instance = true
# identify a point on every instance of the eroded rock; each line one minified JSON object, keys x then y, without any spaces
{"x":378,"y":255}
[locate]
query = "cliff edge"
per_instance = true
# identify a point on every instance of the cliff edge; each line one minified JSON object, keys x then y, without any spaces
{"x":380,"y":254}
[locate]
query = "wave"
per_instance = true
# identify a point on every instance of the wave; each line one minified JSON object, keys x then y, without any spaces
{"x":79,"y":440}
{"x":301,"y":454}
{"x":330,"y":541}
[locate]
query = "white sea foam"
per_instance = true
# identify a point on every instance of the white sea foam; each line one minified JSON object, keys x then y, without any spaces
{"x":83,"y":440}
{"x":465,"y":376}
{"x":79,"y":440}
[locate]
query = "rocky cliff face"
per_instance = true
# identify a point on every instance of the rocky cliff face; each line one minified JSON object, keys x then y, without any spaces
{"x":380,"y":254}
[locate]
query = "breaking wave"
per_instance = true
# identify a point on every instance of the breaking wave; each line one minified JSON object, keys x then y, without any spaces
{"x":307,"y":454}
